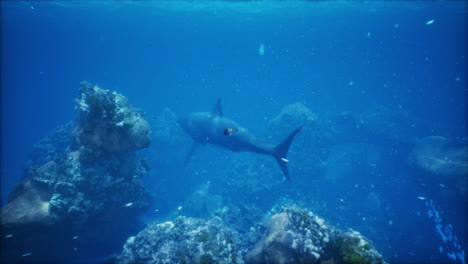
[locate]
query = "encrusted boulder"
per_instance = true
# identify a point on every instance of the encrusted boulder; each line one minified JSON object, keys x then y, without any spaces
{"x":184,"y":240}
{"x":77,"y":197}
{"x":292,"y":236}
{"x":296,"y":235}
{"x":107,"y":122}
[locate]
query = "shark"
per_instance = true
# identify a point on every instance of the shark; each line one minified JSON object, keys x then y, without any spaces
{"x":216,"y":129}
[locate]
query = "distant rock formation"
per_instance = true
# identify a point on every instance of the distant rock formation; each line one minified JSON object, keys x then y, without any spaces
{"x":82,"y":194}
{"x":440,"y":156}
{"x":292,"y":235}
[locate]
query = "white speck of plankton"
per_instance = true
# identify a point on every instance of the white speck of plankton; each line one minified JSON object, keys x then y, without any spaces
{"x":179,"y":208}
{"x":284,"y":159}
{"x":75,"y":237}
{"x":26,"y":254}
{"x":421,"y":198}
{"x":128,"y":204}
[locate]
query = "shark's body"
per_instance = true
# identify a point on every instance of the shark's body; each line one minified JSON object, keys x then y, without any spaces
{"x":211,"y":128}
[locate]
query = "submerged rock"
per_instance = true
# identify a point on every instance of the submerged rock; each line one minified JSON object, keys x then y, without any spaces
{"x":184,"y":240}
{"x":295,"y":235}
{"x":79,"y":197}
{"x":107,"y":122}
{"x":292,"y":235}
{"x":440,"y":156}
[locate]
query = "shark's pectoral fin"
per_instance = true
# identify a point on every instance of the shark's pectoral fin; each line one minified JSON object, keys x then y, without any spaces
{"x":192,"y":150}
{"x":217,"y":110}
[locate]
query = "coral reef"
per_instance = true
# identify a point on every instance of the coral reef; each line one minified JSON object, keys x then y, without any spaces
{"x":292,"y":235}
{"x":52,"y":146}
{"x":107,"y":122}
{"x":82,"y":194}
{"x":184,"y":240}
{"x":296,"y":235}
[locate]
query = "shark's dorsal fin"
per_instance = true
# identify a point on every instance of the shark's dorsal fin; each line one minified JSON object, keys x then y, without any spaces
{"x":217,"y":110}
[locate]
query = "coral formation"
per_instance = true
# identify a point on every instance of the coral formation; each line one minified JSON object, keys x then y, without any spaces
{"x":292,"y":235}
{"x":107,"y":122}
{"x":184,"y":240}
{"x":296,"y":235}
{"x":80,"y":189}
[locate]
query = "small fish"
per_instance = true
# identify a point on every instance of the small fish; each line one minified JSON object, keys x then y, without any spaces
{"x":430,"y":22}
{"x":128,"y":204}
{"x":421,"y":198}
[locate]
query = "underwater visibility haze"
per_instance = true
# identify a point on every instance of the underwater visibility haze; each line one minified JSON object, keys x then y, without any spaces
{"x":234,"y":131}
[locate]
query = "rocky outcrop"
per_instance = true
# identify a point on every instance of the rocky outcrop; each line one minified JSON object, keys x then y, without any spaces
{"x":295,"y":235}
{"x":184,"y":240}
{"x":292,"y":235}
{"x":440,"y":156}
{"x":107,"y":122}
{"x":82,"y":194}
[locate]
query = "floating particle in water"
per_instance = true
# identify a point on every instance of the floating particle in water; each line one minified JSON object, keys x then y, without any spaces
{"x":351,"y":83}
{"x":430,"y":22}
{"x":26,"y":254}
{"x":8,"y":236}
{"x":458,"y":79}
{"x":75,"y":237}
{"x":179,"y":208}
{"x":285,"y":160}
{"x":396,"y":25}
{"x":421,"y":198}
{"x":368,"y":34}
{"x":261,"y":49}
{"x":128,"y":204}
{"x":390,"y":222}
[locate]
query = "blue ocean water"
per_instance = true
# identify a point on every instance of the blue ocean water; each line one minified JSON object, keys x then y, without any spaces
{"x":259,"y":56}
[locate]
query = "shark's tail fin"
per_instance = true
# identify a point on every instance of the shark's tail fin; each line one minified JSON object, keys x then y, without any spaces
{"x":281,"y":151}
